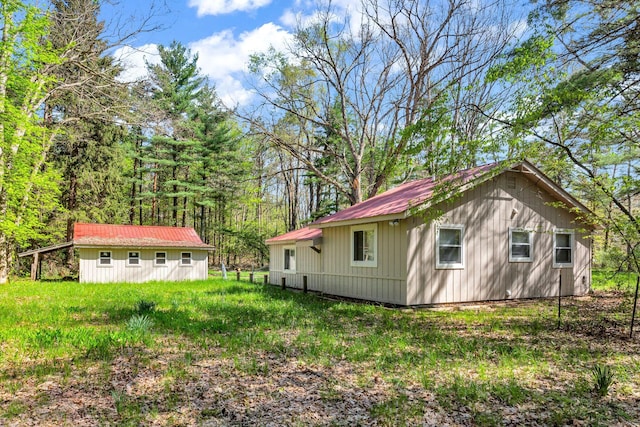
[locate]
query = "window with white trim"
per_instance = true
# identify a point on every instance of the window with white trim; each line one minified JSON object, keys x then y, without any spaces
{"x":450,"y":246}
{"x":563,"y":241}
{"x":520,"y":245}
{"x":104,"y":258}
{"x":364,"y":245}
{"x":290,"y":259}
{"x":185,"y":258}
{"x":161,"y":258}
{"x":133,"y":258}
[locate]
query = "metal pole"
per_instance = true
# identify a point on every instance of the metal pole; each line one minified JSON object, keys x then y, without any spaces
{"x":635,"y":303}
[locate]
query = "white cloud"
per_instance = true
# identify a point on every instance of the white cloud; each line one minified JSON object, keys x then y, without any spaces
{"x":132,"y":60}
{"x":219,"y":7}
{"x":224,"y":58}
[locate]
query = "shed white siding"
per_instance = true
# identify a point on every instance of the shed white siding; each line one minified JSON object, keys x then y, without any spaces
{"x":308,"y":263}
{"x":119,"y":271}
{"x":487,"y":212}
{"x":384,"y":283}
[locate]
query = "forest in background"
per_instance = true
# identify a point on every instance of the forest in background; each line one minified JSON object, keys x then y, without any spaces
{"x":355,"y":105}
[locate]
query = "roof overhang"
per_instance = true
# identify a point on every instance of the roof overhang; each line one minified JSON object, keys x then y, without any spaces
{"x":46,"y":249}
{"x":133,"y":246}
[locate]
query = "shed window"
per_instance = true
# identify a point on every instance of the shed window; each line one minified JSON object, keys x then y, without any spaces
{"x":520,"y":245}
{"x":161,"y":258}
{"x":364,"y":245}
{"x":133,"y":258}
{"x":450,"y":246}
{"x":290,"y":259}
{"x":563,"y":248}
{"x":104,"y":258}
{"x":185,"y":258}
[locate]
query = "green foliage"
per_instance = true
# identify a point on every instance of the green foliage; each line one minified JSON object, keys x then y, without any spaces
{"x":475,"y":362}
{"x":28,"y":185}
{"x":144,"y":306}
{"x":603,"y":378}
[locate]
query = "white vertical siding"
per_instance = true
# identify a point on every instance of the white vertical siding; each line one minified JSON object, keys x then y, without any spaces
{"x":308,"y":263}
{"x":119,"y":271}
{"x":487,"y":212}
{"x":385,"y":283}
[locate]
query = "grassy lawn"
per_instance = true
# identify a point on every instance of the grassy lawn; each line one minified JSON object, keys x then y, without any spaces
{"x":233,"y":353}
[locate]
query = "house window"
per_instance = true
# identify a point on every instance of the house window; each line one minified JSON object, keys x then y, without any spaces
{"x":161,"y":258}
{"x":364,"y":245}
{"x":563,"y":248}
{"x":450,"y":246}
{"x":133,"y":258}
{"x":105,"y":258}
{"x":520,"y":245}
{"x":290,"y":259}
{"x":185,"y":258}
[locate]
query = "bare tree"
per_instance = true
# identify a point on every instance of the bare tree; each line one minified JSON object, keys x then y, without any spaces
{"x":357,"y":87}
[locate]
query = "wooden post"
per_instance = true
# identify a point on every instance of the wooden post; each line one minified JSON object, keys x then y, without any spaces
{"x":559,"y":298}
{"x":635,"y":303}
{"x":266,"y":279}
{"x":238,"y":275}
{"x":304,"y":284}
{"x":250,"y":277}
{"x":284,"y":283}
{"x":34,"y":266}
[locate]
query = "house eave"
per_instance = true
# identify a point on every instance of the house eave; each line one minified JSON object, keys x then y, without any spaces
{"x":164,"y":247}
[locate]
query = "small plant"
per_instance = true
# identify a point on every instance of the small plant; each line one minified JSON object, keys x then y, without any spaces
{"x":144,"y":306}
{"x":603,"y":377}
{"x":139,"y":324}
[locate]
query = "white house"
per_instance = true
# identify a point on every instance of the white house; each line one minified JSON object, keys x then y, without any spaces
{"x":134,"y":253}
{"x":498,"y":231}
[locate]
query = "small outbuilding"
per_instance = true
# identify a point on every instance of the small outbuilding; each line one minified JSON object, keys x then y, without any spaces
{"x":494,"y":232}
{"x":139,"y":253}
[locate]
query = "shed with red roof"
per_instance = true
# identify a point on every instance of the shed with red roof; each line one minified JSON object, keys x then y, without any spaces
{"x":139,"y":253}
{"x":494,"y":232}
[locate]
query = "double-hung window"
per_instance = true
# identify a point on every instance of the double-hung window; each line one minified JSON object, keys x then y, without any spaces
{"x":185,"y":258}
{"x":133,"y":258}
{"x":520,"y":245}
{"x":450,"y":246}
{"x":161,"y":258}
{"x":364,"y":245}
{"x":104,"y":258}
{"x":563,"y":248}
{"x":290,"y":259}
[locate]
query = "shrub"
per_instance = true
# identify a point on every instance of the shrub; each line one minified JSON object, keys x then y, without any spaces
{"x":144,"y":306}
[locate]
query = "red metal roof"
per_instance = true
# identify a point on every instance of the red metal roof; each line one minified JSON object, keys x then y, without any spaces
{"x":305,"y":233}
{"x":136,"y":236}
{"x":403,"y":197}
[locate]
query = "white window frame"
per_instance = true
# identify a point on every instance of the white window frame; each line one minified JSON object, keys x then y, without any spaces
{"x":450,"y":265}
{"x":182,"y":259}
{"x":364,"y":228}
{"x":155,"y":259}
{"x":513,"y":258}
{"x":572,"y":242}
{"x":108,"y":257}
{"x":284,"y":259}
{"x":139,"y":258}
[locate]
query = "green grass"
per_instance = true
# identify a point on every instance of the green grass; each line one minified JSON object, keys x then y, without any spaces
{"x":477,"y":362}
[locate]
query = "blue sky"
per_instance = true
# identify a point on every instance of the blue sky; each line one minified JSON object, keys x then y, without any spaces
{"x":224,"y":33}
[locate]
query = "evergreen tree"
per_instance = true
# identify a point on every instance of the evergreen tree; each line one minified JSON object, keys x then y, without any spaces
{"x":88,"y":151}
{"x":175,"y":85}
